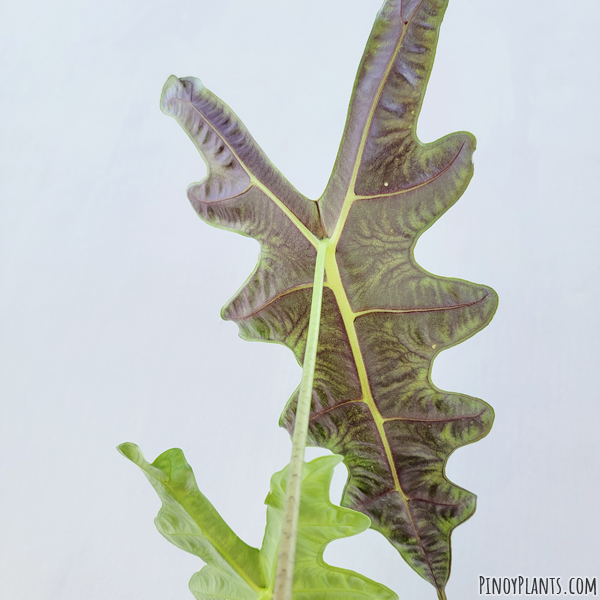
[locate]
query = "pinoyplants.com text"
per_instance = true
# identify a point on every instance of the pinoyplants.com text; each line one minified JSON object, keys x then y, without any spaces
{"x":537,"y":586}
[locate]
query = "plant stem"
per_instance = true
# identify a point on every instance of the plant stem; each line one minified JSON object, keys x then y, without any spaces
{"x":284,"y":574}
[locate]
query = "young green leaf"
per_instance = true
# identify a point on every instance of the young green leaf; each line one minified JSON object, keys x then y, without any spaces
{"x":234,"y":570}
{"x":384,"y":318}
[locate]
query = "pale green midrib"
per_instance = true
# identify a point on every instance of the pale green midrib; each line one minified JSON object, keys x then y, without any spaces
{"x":284,"y":572}
{"x":255,"y":181}
{"x":217,"y":546}
{"x":348,"y":317}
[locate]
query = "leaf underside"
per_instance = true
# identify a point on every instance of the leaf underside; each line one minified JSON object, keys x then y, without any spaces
{"x":384,"y":317}
{"x":234,"y":570}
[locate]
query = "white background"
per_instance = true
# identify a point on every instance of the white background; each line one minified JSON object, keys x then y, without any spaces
{"x":111,"y":287}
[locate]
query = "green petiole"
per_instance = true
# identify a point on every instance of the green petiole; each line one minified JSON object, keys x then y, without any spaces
{"x":284,"y":574}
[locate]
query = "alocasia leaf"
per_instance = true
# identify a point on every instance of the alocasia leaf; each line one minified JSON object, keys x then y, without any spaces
{"x":234,"y":570}
{"x":384,"y":318}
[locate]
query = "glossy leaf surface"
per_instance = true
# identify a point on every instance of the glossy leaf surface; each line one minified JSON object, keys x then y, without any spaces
{"x":384,"y":318}
{"x":236,"y":571}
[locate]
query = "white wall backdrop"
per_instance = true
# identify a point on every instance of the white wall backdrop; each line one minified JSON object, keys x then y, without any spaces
{"x":111,"y":287}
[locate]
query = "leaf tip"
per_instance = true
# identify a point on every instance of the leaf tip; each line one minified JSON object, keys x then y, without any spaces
{"x":133,"y":453}
{"x":130,"y":451}
{"x":182,"y":89}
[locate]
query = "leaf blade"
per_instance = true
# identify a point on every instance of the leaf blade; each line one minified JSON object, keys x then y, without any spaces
{"x":190,"y":522}
{"x":385,"y":318}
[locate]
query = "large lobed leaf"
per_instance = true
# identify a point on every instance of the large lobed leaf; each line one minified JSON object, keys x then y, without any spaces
{"x":384,"y":317}
{"x":234,"y":570}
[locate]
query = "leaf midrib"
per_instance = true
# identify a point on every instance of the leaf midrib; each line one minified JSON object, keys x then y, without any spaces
{"x":348,"y":316}
{"x":236,"y":566}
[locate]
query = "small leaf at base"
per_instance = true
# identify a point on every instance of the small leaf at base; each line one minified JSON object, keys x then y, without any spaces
{"x":234,"y":570}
